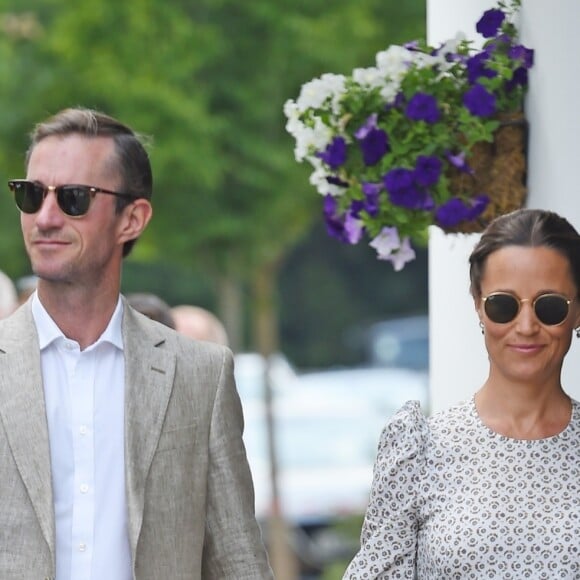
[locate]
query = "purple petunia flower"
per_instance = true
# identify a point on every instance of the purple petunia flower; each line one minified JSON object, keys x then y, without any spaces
{"x":356,"y":207}
{"x":459,"y":162}
{"x":371,"y":189}
{"x":396,"y":103}
{"x":412,"y":198}
{"x":478,"y":206}
{"x":372,"y":192}
{"x":489,"y":24}
{"x":477,"y":67}
{"x":519,"y":79}
{"x":523,"y":54}
{"x":335,"y":153}
{"x":329,"y":206}
{"x":370,"y":124}
{"x":423,"y":107}
{"x":451,"y":213}
{"x":374,"y":146}
{"x":353,"y":229}
{"x":346,"y":228}
{"x":403,"y":191}
{"x":398,"y":179}
{"x":412,"y":45}
{"x":334,"y":225}
{"x":427,"y":170}
{"x":479,"y":101}
{"x":373,"y":141}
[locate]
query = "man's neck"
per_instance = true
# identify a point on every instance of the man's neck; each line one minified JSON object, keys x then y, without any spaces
{"x":82,"y":315}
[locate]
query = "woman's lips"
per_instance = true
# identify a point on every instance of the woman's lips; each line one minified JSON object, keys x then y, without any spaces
{"x":527,"y":348}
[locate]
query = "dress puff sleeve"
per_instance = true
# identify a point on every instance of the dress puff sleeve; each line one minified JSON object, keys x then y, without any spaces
{"x":389,"y":532}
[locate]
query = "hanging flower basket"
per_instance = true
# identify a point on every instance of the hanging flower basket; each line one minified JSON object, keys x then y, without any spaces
{"x":430,"y":135}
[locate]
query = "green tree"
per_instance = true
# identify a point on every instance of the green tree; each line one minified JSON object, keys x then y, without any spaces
{"x":208,"y":82}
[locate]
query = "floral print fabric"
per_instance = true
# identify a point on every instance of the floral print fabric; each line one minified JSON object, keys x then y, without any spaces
{"x":451,"y":499}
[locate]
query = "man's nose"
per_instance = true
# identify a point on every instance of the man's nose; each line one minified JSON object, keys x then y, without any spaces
{"x":49,"y":215}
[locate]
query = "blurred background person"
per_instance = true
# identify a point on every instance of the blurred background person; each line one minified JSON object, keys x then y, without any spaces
{"x":199,"y":323}
{"x":8,"y":296}
{"x":25,"y":286}
{"x":152,"y":306}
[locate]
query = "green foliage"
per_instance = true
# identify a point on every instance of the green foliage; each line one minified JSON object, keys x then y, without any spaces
{"x":330,"y":292}
{"x":348,"y":528}
{"x":207,"y":82}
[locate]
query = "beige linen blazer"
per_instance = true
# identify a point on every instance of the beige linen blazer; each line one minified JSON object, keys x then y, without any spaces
{"x":189,"y":491}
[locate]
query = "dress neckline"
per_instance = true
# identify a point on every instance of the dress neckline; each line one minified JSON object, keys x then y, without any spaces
{"x":563,"y":433}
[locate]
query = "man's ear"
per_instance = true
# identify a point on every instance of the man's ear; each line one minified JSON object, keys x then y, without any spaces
{"x":136,"y":216}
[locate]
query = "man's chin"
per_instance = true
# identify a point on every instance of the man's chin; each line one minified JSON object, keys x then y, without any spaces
{"x":51,"y":275}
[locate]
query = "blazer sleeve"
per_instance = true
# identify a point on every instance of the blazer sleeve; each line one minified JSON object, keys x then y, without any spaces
{"x":233,"y":546}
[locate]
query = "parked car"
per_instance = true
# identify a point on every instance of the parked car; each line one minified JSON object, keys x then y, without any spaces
{"x":399,"y":342}
{"x":250,"y":369}
{"x":384,"y":389}
{"x":325,"y":451}
{"x":327,"y":426}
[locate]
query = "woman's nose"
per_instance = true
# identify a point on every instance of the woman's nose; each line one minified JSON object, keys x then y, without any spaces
{"x":526,"y":320}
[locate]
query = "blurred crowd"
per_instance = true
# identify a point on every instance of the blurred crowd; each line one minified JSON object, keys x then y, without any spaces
{"x":193,"y":321}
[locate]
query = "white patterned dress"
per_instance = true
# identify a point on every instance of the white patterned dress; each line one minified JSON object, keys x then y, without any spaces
{"x":451,"y":499}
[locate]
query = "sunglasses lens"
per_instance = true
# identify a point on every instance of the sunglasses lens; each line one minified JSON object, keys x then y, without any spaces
{"x":74,"y":200}
{"x":28,"y":196}
{"x":501,"y":308}
{"x":551,"y":309}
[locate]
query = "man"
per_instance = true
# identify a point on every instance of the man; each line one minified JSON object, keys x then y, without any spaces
{"x":199,"y":323}
{"x":121,"y":452}
{"x":152,"y":306}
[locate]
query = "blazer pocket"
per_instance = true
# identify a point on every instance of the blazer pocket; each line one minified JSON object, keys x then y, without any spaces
{"x":177,"y":438}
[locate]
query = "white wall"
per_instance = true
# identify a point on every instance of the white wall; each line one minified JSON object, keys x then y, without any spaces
{"x":553,"y":105}
{"x":553,"y":109}
{"x":458,"y":358}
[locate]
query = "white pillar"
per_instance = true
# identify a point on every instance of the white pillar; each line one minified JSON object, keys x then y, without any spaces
{"x":551,"y":28}
{"x":458,"y":357}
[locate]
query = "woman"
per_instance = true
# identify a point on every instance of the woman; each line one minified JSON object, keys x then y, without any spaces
{"x":491,"y":487}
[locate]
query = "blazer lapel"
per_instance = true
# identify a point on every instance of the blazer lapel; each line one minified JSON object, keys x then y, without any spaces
{"x":23,"y":413}
{"x":149,"y":372}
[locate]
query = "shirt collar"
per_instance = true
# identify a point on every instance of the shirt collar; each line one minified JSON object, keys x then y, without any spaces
{"x":48,"y":331}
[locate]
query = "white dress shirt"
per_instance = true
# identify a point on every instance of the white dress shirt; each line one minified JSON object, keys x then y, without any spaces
{"x":84,"y":396}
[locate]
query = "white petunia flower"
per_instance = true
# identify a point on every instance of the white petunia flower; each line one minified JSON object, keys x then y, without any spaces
{"x":317,"y":92}
{"x":395,"y":61}
{"x":318,"y":179}
{"x":309,"y":139}
{"x":403,"y":255}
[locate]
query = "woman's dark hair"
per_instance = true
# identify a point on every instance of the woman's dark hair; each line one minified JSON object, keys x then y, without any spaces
{"x":131,"y":163}
{"x":529,"y":228}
